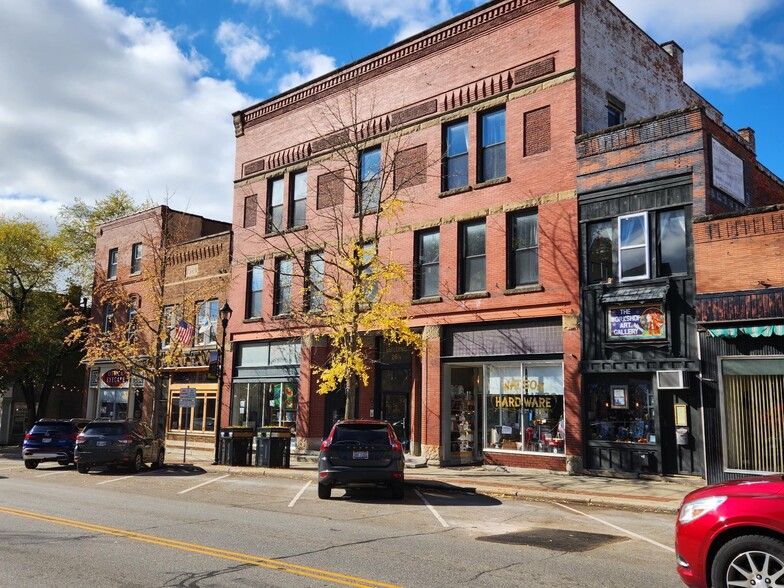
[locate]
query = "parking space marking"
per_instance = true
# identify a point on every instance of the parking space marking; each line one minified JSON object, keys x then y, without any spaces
{"x":11,"y":468}
{"x":433,"y":510}
{"x":49,"y":474}
{"x":113,"y":480}
{"x":204,"y":484}
{"x":300,"y":493}
{"x":617,"y":528}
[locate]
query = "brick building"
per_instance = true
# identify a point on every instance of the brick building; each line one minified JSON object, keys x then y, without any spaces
{"x":489,"y":104}
{"x":646,"y":267}
{"x":188,"y":256}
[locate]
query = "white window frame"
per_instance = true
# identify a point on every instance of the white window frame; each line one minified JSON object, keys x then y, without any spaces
{"x":646,"y":245}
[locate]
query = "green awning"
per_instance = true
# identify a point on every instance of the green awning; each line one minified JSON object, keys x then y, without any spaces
{"x":757,"y":331}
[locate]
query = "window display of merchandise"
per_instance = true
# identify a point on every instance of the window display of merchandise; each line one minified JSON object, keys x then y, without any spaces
{"x":462,"y":416}
{"x":621,"y":413}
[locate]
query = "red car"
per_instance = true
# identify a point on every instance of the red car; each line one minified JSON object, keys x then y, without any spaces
{"x":732,"y":534}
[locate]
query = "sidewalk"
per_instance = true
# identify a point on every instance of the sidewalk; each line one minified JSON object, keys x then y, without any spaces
{"x":656,"y":494}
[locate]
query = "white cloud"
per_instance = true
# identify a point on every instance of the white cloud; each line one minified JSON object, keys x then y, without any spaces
{"x":720,"y":51}
{"x":309,"y":65}
{"x":101,"y":100}
{"x":242,"y":47}
{"x":301,"y":9}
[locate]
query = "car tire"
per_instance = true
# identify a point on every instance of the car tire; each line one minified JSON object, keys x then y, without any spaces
{"x":82,"y":468}
{"x":31,"y":464}
{"x":158,"y":463}
{"x":324,"y":491}
{"x":734,"y":557}
{"x":138,"y":462}
{"x":398,"y":490}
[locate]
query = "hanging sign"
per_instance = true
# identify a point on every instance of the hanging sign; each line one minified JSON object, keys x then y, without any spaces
{"x":115,"y":378}
{"x":637,"y":323}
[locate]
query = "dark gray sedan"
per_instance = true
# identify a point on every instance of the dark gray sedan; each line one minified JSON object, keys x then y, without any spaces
{"x":118,"y":443}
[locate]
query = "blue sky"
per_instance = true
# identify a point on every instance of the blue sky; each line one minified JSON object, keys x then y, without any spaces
{"x":138,"y":94}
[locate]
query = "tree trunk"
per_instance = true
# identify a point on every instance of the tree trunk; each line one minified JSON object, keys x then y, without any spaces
{"x":351,"y":397}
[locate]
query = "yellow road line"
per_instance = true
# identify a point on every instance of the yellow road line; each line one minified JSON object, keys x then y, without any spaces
{"x":289,"y":568}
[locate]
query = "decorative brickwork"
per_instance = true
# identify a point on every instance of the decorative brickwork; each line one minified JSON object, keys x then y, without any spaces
{"x":536,"y":131}
{"x":534,"y":70}
{"x":330,"y":190}
{"x":413,"y":112}
{"x":411,"y":167}
{"x":251,"y":207}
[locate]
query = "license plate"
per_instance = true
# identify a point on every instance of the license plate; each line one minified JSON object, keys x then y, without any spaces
{"x":360,"y":455}
{"x":101,"y":443}
{"x":47,"y":440}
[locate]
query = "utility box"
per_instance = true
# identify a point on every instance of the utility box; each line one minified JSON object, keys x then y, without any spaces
{"x":273,"y":447}
{"x":236,"y":443}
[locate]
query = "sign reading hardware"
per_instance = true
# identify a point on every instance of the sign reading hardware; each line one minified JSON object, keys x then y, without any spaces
{"x":636,"y":323}
{"x":524,"y":401}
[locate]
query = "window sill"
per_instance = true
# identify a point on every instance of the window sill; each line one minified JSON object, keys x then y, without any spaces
{"x":253,"y":319}
{"x":472,"y":295}
{"x":297,"y":228}
{"x":493,"y":182}
{"x":455,"y":191}
{"x":133,"y":274}
{"x":268,"y":234}
{"x":426,"y":300}
{"x":524,"y":290}
{"x":281,"y":317}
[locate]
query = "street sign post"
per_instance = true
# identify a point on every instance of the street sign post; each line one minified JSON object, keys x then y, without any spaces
{"x":187,"y":400}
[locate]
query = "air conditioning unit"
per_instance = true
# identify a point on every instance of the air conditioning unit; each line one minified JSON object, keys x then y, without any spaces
{"x":671,"y":379}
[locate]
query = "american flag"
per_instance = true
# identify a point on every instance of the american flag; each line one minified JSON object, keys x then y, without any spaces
{"x":184,"y":333}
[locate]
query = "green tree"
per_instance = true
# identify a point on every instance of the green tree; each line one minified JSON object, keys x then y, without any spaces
{"x":33,"y":328}
{"x":78,"y":223}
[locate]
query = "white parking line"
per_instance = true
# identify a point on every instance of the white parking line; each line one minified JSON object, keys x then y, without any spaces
{"x":621,"y":529}
{"x":294,"y":501}
{"x":204,"y":484}
{"x":433,"y":510}
{"x":113,"y":480}
{"x":49,"y":474}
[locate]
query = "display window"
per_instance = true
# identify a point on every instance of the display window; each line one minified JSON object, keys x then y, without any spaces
{"x":524,"y":407}
{"x":621,"y":412}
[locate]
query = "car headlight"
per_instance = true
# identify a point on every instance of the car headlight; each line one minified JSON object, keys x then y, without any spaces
{"x":696,"y":508}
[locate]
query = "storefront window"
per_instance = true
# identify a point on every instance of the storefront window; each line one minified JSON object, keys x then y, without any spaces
{"x":114,"y":404}
{"x":198,"y":419}
{"x":621,"y":412}
{"x":524,"y":408}
{"x":258,"y":404}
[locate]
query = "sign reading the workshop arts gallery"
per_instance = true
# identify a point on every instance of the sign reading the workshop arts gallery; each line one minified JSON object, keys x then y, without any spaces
{"x":629,"y":323}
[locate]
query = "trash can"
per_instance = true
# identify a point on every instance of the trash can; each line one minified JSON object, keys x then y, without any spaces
{"x":273,"y":447}
{"x":236,"y":445}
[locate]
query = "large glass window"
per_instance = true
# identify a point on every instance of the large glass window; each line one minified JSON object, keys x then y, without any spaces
{"x":493,"y":128}
{"x":622,"y":412}
{"x":369,"y":198}
{"x":297,"y":205}
{"x":523,"y":249}
{"x":255,"y":290}
{"x":426,"y":265}
{"x":257,"y":404}
{"x":200,"y":418}
{"x":525,"y":407}
{"x":600,"y":246}
{"x":456,"y":160}
{"x":752,"y":406}
{"x":671,"y":242}
{"x":136,"y":258}
{"x":108,"y":317}
{"x":283,"y":276}
{"x":275,"y":206}
{"x":111,"y":270}
{"x":167,"y":325}
{"x":206,"y":321}
{"x":633,"y":247}
{"x":314,"y":294}
{"x":472,"y":257}
{"x":113,"y":403}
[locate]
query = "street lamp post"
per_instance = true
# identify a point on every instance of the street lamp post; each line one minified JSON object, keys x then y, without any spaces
{"x":225,"y":315}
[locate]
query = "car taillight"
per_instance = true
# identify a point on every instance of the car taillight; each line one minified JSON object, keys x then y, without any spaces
{"x":80,"y":437}
{"x":126,"y":439}
{"x":27,"y":436}
{"x":396,"y":445}
{"x":326,"y":443}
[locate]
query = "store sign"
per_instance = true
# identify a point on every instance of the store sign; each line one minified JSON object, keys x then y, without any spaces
{"x":728,"y":172}
{"x":527,"y":401}
{"x":637,"y":323}
{"x":115,"y":378}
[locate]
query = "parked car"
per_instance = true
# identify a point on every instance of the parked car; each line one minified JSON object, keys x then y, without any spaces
{"x":49,"y":440}
{"x":732,"y":534}
{"x":359,"y":453}
{"x":128,"y":443}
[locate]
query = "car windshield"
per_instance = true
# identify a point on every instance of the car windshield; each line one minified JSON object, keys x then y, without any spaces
{"x":105,"y":429}
{"x":361,"y":434}
{"x":42,"y":428}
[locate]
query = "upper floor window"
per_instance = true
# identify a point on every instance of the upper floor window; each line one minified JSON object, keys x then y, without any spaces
{"x":523,"y":237}
{"x":297,"y":202}
{"x":136,"y":258}
{"x":426,"y":269}
{"x":255,"y":290}
{"x":456,"y":158}
{"x":167,"y":325}
{"x":108,"y":317}
{"x":493,"y":157}
{"x":671,"y":242}
{"x":314,"y":293}
{"x":206,"y":320}
{"x":633,"y":257}
{"x":370,"y":280}
{"x":369,"y":198}
{"x":615,"y":111}
{"x":471,"y":277}
{"x":282,"y":295}
{"x":275,"y":206}
{"x":111,"y":270}
{"x":600,"y":250}
{"x":133,"y":311}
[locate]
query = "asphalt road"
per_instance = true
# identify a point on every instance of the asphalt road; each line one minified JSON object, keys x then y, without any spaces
{"x":185,"y":527}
